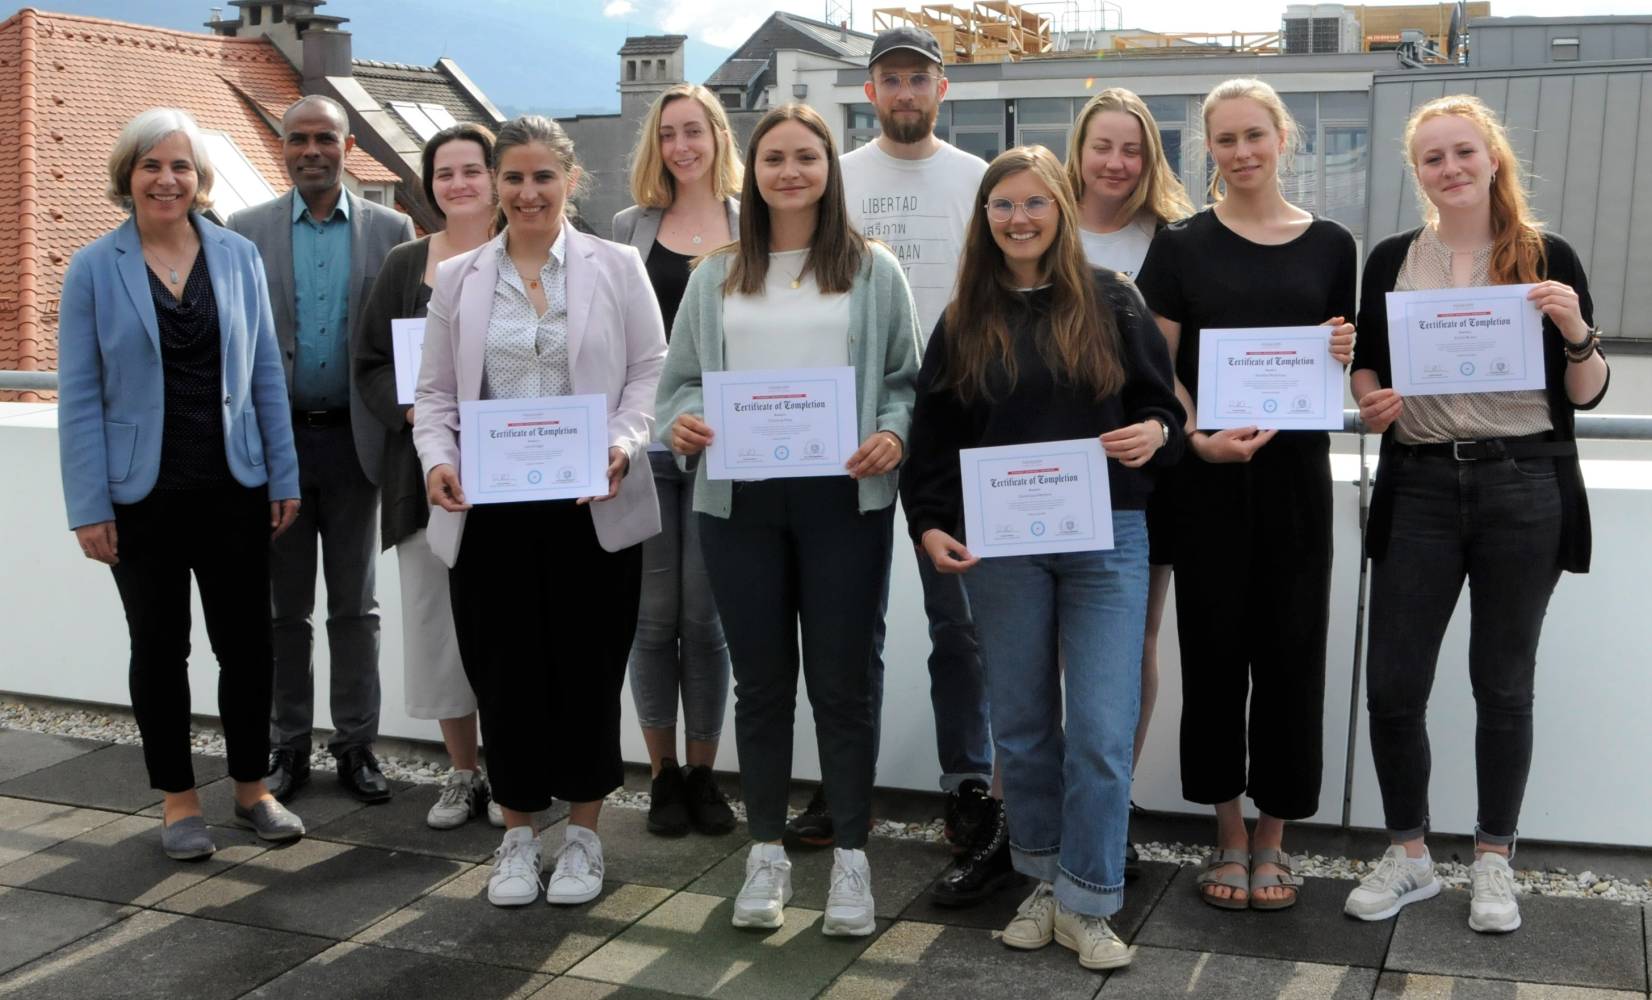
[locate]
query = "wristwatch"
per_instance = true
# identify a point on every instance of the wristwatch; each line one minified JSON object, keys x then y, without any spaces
{"x":1164,"y":432}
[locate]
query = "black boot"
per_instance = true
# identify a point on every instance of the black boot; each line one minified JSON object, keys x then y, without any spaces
{"x":984,"y":870}
{"x":708,"y":811}
{"x":668,"y":801}
{"x":969,"y":814}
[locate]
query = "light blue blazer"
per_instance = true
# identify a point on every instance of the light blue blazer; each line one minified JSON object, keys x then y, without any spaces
{"x":111,"y":391}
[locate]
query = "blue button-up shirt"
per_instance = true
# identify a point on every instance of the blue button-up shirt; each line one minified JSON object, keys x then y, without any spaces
{"x":321,"y":292}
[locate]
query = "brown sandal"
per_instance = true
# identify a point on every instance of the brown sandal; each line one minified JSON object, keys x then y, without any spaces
{"x":1238,"y":881}
{"x":1287,"y":878}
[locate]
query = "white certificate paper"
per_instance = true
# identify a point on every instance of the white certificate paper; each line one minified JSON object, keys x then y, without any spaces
{"x":1487,"y":339}
{"x":780,"y":423}
{"x":551,"y":448}
{"x":407,"y":351}
{"x":1280,"y":378}
{"x":1035,"y":499}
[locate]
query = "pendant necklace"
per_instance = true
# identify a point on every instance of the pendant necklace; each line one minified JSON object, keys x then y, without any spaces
{"x":696,"y":240}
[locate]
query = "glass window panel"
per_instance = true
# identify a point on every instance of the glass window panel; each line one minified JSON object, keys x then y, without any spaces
{"x":1044,"y":111}
{"x":1171,"y":139}
{"x":1304,"y":108}
{"x":439,"y":115}
{"x":236,"y":182}
{"x":1347,"y":158}
{"x":977,"y":112}
{"x":1345,"y":106}
{"x":985,"y":143}
{"x":1054,"y":139}
{"x":862,"y":116}
{"x":416,"y":119}
{"x":1167,"y":110}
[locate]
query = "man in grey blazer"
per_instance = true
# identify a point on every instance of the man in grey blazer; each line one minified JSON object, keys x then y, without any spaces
{"x":322,"y":248}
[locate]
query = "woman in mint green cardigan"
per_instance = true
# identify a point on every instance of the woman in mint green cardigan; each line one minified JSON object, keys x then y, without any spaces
{"x":800,"y":289}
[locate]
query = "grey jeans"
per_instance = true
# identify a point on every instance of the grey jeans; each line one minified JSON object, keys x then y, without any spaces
{"x":679,"y":649}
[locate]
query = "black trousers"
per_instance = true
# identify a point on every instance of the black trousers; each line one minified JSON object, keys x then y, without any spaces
{"x":222,"y":536}
{"x":545,"y":618}
{"x":797,"y":552}
{"x":1253,"y":587}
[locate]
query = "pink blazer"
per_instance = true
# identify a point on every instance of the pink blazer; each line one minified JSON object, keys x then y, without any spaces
{"x":616,"y":346}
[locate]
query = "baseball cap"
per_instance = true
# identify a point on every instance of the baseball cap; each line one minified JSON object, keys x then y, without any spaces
{"x":905,"y":37}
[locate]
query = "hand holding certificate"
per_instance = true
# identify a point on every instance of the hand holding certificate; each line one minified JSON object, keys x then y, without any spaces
{"x":1036,"y":499}
{"x":780,"y":424}
{"x":552,"y":448}
{"x":1450,"y":340}
{"x":1281,"y":378}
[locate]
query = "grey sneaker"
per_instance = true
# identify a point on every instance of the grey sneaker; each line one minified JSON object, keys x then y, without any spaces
{"x":1492,"y":908}
{"x":187,"y":839}
{"x":270,"y":820}
{"x":1396,"y":882}
{"x":463,"y":793}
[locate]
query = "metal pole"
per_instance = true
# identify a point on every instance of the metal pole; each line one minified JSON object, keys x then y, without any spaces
{"x":1359,"y":635}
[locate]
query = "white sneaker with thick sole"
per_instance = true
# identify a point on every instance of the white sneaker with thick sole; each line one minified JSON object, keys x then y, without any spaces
{"x":1492,"y":909}
{"x":578,"y":875}
{"x":1396,"y":882}
{"x":1033,"y":925}
{"x":768,"y":888}
{"x":515,"y":878}
{"x":849,"y":908}
{"x":496,"y":814}
{"x":1098,"y":947}
{"x":459,"y":801}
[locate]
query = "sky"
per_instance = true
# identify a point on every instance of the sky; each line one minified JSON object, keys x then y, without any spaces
{"x":561,"y":56}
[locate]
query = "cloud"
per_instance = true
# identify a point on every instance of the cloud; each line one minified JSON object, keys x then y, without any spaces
{"x":618,"y":8}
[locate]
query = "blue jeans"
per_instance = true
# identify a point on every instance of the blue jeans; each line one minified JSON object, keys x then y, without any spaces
{"x":1067,"y":793}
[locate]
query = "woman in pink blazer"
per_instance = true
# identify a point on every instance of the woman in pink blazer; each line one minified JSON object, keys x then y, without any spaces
{"x":544,"y":593}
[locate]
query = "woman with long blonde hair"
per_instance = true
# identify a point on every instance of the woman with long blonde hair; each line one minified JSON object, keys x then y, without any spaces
{"x":1478,"y":486}
{"x":1038,"y":346}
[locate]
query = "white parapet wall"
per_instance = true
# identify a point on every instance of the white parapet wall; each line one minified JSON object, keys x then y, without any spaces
{"x":62,"y":635}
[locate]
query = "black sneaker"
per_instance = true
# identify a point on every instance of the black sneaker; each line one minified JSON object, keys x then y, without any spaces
{"x":813,"y":826}
{"x":668,"y":801}
{"x":981,"y":872}
{"x":708,"y":811}
{"x":969,"y":813}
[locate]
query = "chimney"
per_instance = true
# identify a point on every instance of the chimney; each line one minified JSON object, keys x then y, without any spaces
{"x":326,"y":53}
{"x":843,"y":31}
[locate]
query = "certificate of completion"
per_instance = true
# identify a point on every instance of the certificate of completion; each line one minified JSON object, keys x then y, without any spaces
{"x":1036,"y":499}
{"x":551,"y":448}
{"x":407,"y":351}
{"x":1269,"y":377}
{"x":780,"y":423}
{"x":1487,"y":339}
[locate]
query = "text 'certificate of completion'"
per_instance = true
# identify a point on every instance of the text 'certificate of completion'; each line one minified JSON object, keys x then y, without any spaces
{"x":407,"y":351}
{"x":1035,"y":499}
{"x":1447,"y":340}
{"x":551,"y":448}
{"x":1269,"y":377}
{"x":781,"y":423}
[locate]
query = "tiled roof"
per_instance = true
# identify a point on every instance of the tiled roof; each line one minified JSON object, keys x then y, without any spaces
{"x":68,"y":85}
{"x":652,"y":45}
{"x":850,"y":44}
{"x":736,"y":72}
{"x":388,"y":82}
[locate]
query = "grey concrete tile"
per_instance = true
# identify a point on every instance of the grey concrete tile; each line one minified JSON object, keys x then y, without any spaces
{"x":33,"y":924}
{"x":365,"y":973}
{"x":398,"y":825}
{"x":687,"y":945}
{"x":1573,"y":942}
{"x":901,"y":870}
{"x":22,"y":751}
{"x":112,"y":778}
{"x":632,"y":854}
{"x":317,"y":804}
{"x":122,"y":862}
{"x":1141,"y":894}
{"x":917,"y":961}
{"x":316,"y":887}
{"x":27,"y":825}
{"x":569,"y":988}
{"x":162,"y":955}
{"x":1201,"y":975}
{"x":457,"y":921}
{"x":1314,"y":930}
{"x":1417,"y":986}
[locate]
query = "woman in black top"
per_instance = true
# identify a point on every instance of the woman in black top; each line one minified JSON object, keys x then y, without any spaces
{"x":1481,"y":486}
{"x":459,"y":186}
{"x":685,"y":173}
{"x":1039,"y":347}
{"x":1252,"y":542}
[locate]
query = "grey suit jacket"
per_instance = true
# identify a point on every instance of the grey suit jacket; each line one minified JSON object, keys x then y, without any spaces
{"x":374,"y":231}
{"x":640,"y":227}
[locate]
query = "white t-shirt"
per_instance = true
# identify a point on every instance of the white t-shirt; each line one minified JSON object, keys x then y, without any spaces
{"x":1122,"y":250}
{"x":786,"y":327}
{"x":921,"y":208}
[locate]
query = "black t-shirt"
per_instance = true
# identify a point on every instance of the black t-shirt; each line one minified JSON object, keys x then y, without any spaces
{"x":668,"y":273}
{"x":192,"y":424}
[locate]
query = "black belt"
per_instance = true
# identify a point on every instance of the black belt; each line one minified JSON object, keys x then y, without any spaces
{"x":320,"y":418}
{"x":1492,"y":449}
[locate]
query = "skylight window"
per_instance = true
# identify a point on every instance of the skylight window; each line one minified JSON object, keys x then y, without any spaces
{"x":237,"y":184}
{"x":424,"y":119}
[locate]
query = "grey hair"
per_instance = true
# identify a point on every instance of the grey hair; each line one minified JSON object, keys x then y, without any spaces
{"x":143,"y":134}
{"x":333,"y":108}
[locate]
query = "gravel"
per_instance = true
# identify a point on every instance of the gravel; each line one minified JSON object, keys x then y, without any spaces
{"x":96,"y":725}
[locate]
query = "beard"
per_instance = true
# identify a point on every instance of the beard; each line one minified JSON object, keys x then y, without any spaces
{"x":908,"y":130}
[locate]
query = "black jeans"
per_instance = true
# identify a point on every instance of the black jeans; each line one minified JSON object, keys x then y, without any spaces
{"x":798,"y":551}
{"x":1497,"y":524}
{"x":222,"y":535}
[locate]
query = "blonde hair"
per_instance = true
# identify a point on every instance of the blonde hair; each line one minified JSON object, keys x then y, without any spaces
{"x":1260,"y":92}
{"x":1159,"y":192}
{"x":143,"y":134}
{"x":652,"y":185}
{"x":1518,"y":254}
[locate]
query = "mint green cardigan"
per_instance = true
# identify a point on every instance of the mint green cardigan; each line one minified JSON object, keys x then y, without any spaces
{"x":883,"y":347}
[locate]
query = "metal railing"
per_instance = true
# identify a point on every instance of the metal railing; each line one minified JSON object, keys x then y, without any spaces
{"x":28,"y":381}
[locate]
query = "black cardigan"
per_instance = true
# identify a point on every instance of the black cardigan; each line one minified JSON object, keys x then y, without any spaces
{"x":1382,"y":270}
{"x":404,"y":507}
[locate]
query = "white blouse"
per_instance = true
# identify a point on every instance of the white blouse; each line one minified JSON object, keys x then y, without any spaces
{"x":786,"y":326}
{"x":527,"y":354}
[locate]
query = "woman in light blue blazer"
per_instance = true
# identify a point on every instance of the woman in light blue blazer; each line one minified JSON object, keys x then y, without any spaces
{"x":177,"y":458}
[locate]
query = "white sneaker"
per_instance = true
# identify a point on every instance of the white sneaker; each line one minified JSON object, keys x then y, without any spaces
{"x":578,"y":875}
{"x":515,"y":879}
{"x":496,"y":814}
{"x":1033,"y":925}
{"x":1093,"y":938}
{"x":849,"y":902}
{"x":1493,"y":909}
{"x":768,"y":888}
{"x":1395,"y":883}
{"x":461,"y":799}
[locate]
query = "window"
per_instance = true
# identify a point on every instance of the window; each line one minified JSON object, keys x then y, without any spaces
{"x":977,"y":113}
{"x":1563,"y":50}
{"x":237,"y":184}
{"x":424,"y":119}
{"x":985,"y":143}
{"x":630,"y":71}
{"x":1347,"y":158}
{"x":1167,"y":110}
{"x":378,"y":194}
{"x":1053,"y":139}
{"x":1044,"y":111}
